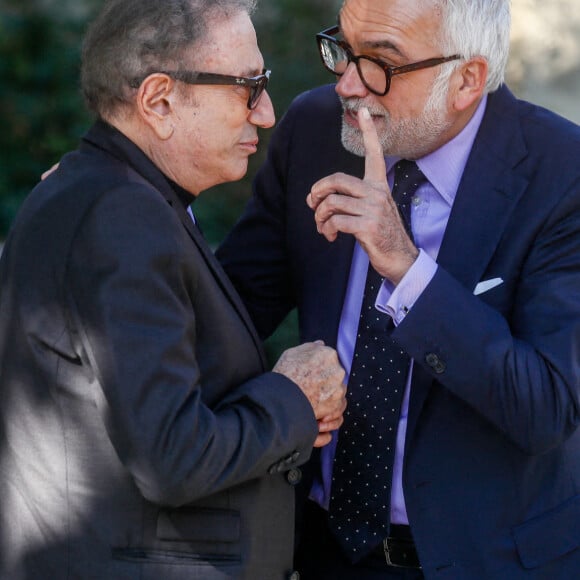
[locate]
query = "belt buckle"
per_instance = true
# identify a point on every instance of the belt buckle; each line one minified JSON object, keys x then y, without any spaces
{"x":387,"y":547}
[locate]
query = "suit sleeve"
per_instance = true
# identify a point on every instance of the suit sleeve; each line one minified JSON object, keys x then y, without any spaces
{"x":131,"y":296}
{"x":518,"y":368}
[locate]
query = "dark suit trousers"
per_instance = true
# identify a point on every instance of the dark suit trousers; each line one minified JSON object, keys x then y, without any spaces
{"x":319,"y":556}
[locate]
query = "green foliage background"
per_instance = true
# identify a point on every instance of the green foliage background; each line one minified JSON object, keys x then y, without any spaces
{"x":42,"y":114}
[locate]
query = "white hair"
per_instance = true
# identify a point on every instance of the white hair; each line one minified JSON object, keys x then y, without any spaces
{"x":476,"y":28}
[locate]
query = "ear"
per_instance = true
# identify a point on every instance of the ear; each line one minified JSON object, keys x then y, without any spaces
{"x":469,"y":83}
{"x":155,"y":104}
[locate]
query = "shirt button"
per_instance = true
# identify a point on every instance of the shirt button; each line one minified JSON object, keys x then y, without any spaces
{"x":416,"y":201}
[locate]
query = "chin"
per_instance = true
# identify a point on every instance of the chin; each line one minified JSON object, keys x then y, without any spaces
{"x":239,"y":171}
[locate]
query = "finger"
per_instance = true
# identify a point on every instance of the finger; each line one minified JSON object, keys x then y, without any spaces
{"x":332,"y":419}
{"x":49,"y":171}
{"x":339,"y":204}
{"x":322,"y":440}
{"x":328,"y":426}
{"x":375,"y":167}
{"x":312,"y":201}
{"x":320,"y":191}
{"x":327,"y":216}
{"x":341,"y":223}
{"x":337,"y":183}
{"x":333,"y":416}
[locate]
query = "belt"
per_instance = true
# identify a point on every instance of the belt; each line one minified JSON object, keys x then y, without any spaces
{"x":398,"y":549}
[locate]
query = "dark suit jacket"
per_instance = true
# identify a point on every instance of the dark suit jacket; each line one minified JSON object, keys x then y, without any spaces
{"x":492,"y":469}
{"x":141,"y":437}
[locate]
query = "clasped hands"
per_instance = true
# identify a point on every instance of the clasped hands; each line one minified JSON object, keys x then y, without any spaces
{"x":365,"y":209}
{"x":316,"y":370}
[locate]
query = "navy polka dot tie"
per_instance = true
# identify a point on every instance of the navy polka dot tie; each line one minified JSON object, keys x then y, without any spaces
{"x":359,"y":511}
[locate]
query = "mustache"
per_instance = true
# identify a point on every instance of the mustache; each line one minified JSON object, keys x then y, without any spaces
{"x":354,"y":104}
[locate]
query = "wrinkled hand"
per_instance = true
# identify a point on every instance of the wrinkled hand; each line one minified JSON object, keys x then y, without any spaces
{"x":316,"y":370}
{"x":332,"y":422}
{"x":365,"y":209}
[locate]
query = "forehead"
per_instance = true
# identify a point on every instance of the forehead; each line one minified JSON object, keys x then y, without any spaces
{"x":230,"y":46}
{"x":400,"y":25}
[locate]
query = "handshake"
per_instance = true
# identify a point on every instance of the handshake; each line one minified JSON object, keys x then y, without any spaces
{"x":315,"y":368}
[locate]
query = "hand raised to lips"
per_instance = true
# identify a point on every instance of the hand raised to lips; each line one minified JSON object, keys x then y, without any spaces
{"x":365,"y":209}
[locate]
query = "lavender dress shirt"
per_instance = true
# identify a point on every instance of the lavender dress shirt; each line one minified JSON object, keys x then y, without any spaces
{"x":431,"y":207}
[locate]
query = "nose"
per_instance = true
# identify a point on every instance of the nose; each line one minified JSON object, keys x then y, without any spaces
{"x":262,"y":115}
{"x":350,"y":83}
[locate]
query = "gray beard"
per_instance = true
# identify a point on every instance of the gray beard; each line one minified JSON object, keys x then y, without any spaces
{"x":407,"y":138}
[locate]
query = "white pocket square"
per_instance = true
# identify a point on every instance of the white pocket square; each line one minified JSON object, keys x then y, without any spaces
{"x":486,"y":285}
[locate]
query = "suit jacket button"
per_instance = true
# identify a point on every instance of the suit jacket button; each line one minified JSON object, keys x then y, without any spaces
{"x":435,"y":363}
{"x":294,"y":476}
{"x":293,"y":576}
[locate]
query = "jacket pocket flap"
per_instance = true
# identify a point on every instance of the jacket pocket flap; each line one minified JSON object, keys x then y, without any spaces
{"x":550,"y":535}
{"x":199,"y":525}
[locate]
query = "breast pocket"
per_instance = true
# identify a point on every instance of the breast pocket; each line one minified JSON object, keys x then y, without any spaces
{"x":172,"y":565}
{"x":192,"y":543}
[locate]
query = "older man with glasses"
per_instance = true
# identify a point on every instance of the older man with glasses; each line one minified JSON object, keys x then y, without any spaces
{"x":142,"y":436}
{"x":427,"y":224}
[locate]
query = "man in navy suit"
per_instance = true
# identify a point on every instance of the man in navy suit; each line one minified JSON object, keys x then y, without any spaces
{"x":483,"y":293}
{"x":141,"y":434}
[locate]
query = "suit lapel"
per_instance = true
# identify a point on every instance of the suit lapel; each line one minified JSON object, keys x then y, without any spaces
{"x":216,"y":269}
{"x":161,"y":185}
{"x":489,"y":190}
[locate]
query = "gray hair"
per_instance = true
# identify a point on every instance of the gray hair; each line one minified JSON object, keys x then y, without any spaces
{"x":477,"y":28}
{"x":130,"y":39}
{"x":472,"y":28}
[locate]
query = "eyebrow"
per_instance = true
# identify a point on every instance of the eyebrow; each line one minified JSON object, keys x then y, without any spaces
{"x":376,"y":44}
{"x":382,"y":45}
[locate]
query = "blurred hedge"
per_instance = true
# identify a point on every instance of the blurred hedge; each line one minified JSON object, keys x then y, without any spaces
{"x":42,"y":114}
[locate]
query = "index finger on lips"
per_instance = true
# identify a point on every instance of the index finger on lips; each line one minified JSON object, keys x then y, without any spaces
{"x":375,"y":167}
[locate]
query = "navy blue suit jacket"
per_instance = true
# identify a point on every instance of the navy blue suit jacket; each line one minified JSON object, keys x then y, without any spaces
{"x":492,"y":462}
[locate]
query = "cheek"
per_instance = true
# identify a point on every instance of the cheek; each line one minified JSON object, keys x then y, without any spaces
{"x":228,"y":127}
{"x":213,"y":140}
{"x":408,"y":94}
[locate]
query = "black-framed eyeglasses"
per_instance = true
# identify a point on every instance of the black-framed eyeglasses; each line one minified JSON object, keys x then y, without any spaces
{"x":375,"y":74}
{"x":257,"y":84}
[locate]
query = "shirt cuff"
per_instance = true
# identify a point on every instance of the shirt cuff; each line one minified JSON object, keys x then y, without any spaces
{"x":397,"y":302}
